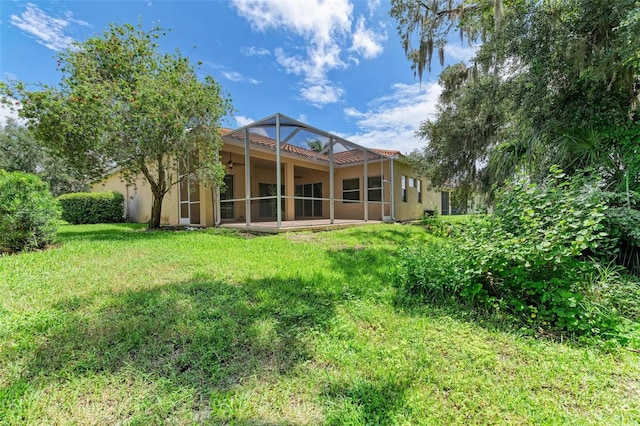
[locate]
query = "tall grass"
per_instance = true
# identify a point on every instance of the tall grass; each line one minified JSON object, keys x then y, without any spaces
{"x":122,"y":325}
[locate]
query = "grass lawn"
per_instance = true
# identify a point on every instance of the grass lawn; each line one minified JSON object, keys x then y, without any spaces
{"x":121,"y":325}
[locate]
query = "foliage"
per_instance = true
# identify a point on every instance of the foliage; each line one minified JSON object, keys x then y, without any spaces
{"x":529,"y":259}
{"x":526,"y":259}
{"x":123,"y":103}
{"x":462,"y":137}
{"x":433,"y":272}
{"x":317,"y":145}
{"x":20,"y":152}
{"x":622,"y":224}
{"x":28,"y":213}
{"x":92,"y":207}
{"x":425,"y":26}
{"x":610,"y":287}
{"x":437,"y":227}
{"x":552,"y":83}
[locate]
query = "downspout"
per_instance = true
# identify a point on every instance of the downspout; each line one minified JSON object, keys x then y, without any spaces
{"x":216,"y":212}
{"x":393,"y":184}
{"x":382,"y":179}
{"x":278,"y":176}
{"x":331,"y":183}
{"x":127,"y":206}
{"x":366,"y":187}
{"x":247,"y":178}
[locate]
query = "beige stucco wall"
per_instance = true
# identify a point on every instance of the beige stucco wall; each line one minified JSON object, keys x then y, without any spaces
{"x":412,"y":209}
{"x":295,"y":171}
{"x":356,"y":210}
{"x":138,"y":200}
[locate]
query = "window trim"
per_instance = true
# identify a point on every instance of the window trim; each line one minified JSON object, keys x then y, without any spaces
{"x":356,"y":191}
{"x":403,"y":185}
{"x":374,"y":189}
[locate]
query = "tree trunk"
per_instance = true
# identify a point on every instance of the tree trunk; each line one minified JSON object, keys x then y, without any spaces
{"x":158,"y":190}
{"x":156,"y":210}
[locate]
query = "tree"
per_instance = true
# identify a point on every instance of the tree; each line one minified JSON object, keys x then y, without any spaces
{"x":124,"y":105}
{"x":552,"y":83}
{"x":21,"y":152}
{"x":462,"y":135}
{"x":425,"y":26}
{"x":316,"y":145}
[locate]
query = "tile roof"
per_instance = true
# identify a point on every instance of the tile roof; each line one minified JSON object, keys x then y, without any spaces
{"x":341,"y":158}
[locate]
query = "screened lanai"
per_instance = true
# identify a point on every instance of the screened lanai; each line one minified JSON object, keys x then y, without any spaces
{"x":282,"y":174}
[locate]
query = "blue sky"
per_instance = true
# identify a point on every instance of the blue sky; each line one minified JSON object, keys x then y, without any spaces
{"x":335,"y":64}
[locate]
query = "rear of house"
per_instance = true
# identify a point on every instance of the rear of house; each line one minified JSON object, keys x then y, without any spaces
{"x":274,"y":181}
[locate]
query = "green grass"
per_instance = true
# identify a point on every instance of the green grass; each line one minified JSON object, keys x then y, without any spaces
{"x":121,"y":325}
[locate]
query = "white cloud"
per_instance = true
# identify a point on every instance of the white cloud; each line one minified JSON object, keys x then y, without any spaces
{"x":255,"y":51}
{"x":373,"y":5}
{"x":321,"y":93}
{"x":366,"y":42}
{"x":8,"y":112}
{"x":392,"y":120}
{"x":460,"y":53}
{"x":237,"y":77}
{"x":326,"y":28}
{"x":242,"y":121}
{"x":48,"y":31}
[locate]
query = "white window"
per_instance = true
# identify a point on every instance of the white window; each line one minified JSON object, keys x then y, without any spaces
{"x":351,"y":190}
{"x":404,"y":188}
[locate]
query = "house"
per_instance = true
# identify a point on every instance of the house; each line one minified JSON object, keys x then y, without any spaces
{"x":275,"y":182}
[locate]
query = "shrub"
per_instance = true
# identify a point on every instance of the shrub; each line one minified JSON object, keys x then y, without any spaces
{"x":28,"y":213}
{"x":432,"y":272}
{"x":92,"y":207}
{"x":622,"y":223}
{"x":434,"y":225}
{"x":528,"y":259}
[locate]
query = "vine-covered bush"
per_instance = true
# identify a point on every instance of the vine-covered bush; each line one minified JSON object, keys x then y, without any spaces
{"x":622,"y":223}
{"x":433,"y":272}
{"x":92,"y":207}
{"x":528,"y":259}
{"x":28,"y":213}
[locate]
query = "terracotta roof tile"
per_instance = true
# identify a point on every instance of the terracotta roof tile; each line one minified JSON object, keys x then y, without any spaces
{"x":387,"y":152}
{"x":342,"y":158}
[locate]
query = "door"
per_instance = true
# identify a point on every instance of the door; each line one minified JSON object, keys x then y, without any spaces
{"x":268,"y":208}
{"x":444,"y":198}
{"x":189,"y":189}
{"x":309,"y":208}
{"x":227,"y":210}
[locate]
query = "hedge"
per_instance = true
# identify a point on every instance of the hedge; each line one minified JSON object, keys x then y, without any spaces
{"x":92,"y":207}
{"x":28,"y":213}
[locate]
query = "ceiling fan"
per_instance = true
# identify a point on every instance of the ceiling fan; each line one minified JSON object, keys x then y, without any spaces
{"x":231,"y":163}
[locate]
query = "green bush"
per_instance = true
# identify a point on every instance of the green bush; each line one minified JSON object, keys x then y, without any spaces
{"x":437,"y":227}
{"x":622,"y":223}
{"x":432,"y":272}
{"x":28,"y":213}
{"x":92,"y":207}
{"x":529,"y":259}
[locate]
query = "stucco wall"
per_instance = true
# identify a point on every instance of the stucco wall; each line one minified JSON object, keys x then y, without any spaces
{"x":138,"y":196}
{"x":412,"y":209}
{"x":356,"y":210}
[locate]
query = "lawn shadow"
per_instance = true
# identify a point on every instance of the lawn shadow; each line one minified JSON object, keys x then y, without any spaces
{"x":380,"y":235}
{"x":368,"y":270}
{"x":366,"y":402}
{"x":202,"y":335}
{"x":133,"y":232}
